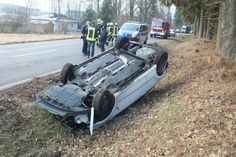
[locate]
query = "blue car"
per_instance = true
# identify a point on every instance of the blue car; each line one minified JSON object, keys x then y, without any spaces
{"x":135,"y":31}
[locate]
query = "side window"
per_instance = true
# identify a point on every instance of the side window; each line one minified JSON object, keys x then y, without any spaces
{"x":145,"y":28}
{"x":141,"y":28}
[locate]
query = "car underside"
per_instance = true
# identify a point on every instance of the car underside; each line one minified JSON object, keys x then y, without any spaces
{"x":96,"y":90}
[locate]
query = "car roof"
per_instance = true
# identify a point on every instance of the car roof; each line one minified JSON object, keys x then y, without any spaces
{"x":164,"y":21}
{"x":136,"y":22}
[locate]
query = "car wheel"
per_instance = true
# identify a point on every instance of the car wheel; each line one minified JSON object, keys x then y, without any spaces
{"x":103,"y":103}
{"x":66,"y":73}
{"x":151,"y":35}
{"x":161,"y":61}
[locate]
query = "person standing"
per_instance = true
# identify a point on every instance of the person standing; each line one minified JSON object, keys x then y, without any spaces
{"x":91,"y":39}
{"x":99,"y":30}
{"x":84,"y":32}
{"x":115,"y":32}
{"x":107,"y":29}
{"x":103,"y":38}
{"x":110,"y":35}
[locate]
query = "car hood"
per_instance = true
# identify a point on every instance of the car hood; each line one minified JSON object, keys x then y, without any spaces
{"x":68,"y":96}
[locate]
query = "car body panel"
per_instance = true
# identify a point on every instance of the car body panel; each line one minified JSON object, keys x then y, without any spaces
{"x":138,"y":88}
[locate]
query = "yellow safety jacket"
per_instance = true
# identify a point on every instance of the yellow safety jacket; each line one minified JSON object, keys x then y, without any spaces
{"x":108,"y":28}
{"x":115,"y":30}
{"x":91,"y":34}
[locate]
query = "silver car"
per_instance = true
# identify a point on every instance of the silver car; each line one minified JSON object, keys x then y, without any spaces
{"x":93,"y":92}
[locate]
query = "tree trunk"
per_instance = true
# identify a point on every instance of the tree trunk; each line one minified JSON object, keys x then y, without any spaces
{"x":208,"y":27}
{"x":131,"y":9}
{"x":227,"y":35}
{"x":196,"y":23}
{"x":218,"y":37}
{"x":200,"y":24}
{"x":98,"y":6}
{"x":204,"y":28}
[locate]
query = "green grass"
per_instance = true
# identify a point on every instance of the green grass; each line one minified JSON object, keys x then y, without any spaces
{"x":27,"y":134}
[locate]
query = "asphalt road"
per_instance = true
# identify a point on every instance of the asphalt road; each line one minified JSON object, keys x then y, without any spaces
{"x":23,"y":61}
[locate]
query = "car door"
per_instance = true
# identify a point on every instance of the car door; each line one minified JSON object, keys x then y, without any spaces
{"x":143,"y":33}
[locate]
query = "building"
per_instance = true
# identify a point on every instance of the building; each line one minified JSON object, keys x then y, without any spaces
{"x":61,"y":23}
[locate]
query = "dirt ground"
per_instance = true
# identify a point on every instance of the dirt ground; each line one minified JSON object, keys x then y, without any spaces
{"x":23,"y":38}
{"x":192,"y":112}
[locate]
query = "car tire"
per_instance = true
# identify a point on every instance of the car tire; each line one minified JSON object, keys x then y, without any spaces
{"x":103,"y":103}
{"x":66,"y":73}
{"x":161,"y":61}
{"x":151,"y":35}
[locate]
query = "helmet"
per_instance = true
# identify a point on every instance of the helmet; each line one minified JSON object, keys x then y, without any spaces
{"x":111,"y":24}
{"x":116,"y":24}
{"x":98,"y":21}
{"x":108,"y":24}
{"x":87,"y":22}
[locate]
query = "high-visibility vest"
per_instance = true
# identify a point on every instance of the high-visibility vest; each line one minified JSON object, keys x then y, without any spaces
{"x":110,"y":30}
{"x":115,"y":30}
{"x":91,"y":34}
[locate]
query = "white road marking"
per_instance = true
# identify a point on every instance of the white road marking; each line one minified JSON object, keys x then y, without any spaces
{"x":26,"y":80}
{"x":35,"y":53}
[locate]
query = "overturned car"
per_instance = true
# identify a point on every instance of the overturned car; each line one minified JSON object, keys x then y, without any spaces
{"x":98,"y":89}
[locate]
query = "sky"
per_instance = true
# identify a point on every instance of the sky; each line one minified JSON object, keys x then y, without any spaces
{"x":43,"y":5}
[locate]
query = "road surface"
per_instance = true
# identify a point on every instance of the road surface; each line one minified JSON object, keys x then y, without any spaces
{"x":23,"y":61}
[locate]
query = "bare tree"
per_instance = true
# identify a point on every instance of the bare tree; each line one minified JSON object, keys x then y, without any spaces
{"x":144,"y":8}
{"x":28,"y":8}
{"x":132,"y":8}
{"x":13,"y":19}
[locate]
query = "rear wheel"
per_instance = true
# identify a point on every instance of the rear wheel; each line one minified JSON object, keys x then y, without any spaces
{"x":66,"y":73}
{"x":103,"y":104}
{"x":161,"y":61}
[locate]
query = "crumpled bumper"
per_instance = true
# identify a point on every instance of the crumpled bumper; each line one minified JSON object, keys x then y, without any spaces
{"x":40,"y":102}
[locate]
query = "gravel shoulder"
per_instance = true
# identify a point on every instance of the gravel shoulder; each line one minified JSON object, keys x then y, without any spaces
{"x":192,"y":112}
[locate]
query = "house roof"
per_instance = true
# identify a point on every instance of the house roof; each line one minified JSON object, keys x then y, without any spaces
{"x":52,"y":17}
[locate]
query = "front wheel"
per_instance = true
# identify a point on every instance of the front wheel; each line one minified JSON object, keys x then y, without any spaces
{"x":161,"y":61}
{"x":103,"y":104}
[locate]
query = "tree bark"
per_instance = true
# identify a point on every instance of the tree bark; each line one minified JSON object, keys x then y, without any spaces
{"x":208,"y":28}
{"x":196,"y":23}
{"x":131,"y":9}
{"x":218,"y":38}
{"x":201,"y":24}
{"x":227,"y":35}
